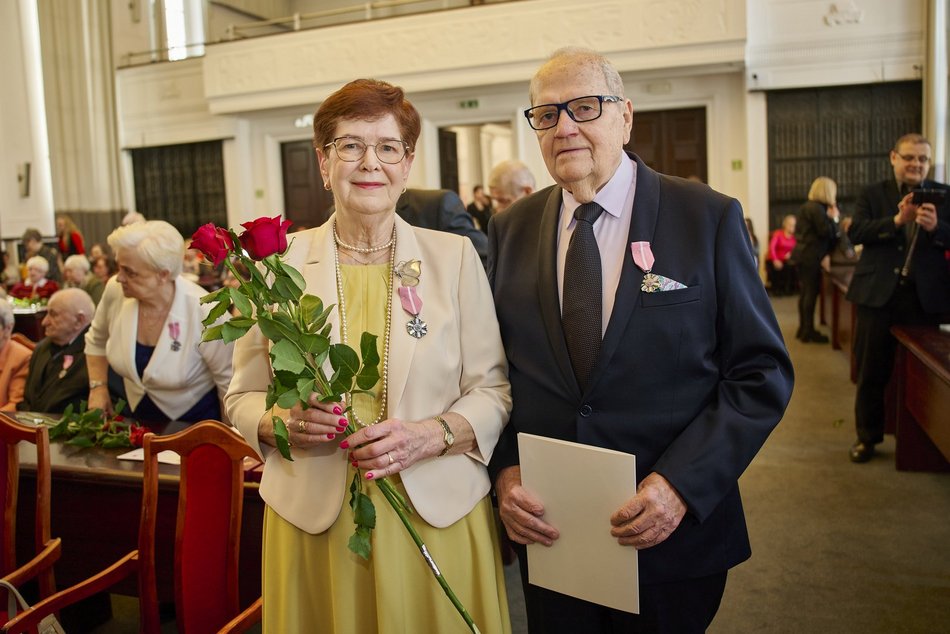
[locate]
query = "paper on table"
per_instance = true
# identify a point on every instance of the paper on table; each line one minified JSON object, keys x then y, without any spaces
{"x":167,"y":456}
{"x":581,"y":486}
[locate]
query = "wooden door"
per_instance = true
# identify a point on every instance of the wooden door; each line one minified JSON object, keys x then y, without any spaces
{"x":671,"y":141}
{"x":306,"y":202}
{"x":448,"y":160}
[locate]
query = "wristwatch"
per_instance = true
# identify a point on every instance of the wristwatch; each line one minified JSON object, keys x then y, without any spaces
{"x":447,"y":436}
{"x":94,"y":384}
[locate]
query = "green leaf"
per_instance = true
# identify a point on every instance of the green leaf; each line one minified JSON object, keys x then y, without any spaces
{"x":281,"y":437}
{"x":310,"y":308}
{"x":81,"y":441}
{"x":360,"y":544}
{"x":241,"y":302}
{"x":271,"y":396}
{"x":269,"y":328}
{"x":365,"y":513}
{"x":112,"y":441}
{"x":213,"y":333}
{"x":368,"y":349}
{"x":215,"y":313}
{"x":344,"y":359}
{"x":367,"y":378}
{"x":314,"y":344}
{"x":286,"y":356}
{"x":213,"y":297}
{"x":230,"y":332}
{"x":286,"y":289}
{"x":119,"y":406}
{"x":305,"y":389}
{"x":288,"y":399}
{"x":294,"y":276}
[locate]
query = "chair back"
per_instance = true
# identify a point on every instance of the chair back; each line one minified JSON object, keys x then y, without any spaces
{"x":19,"y":337}
{"x":12,"y":433}
{"x":208,"y":530}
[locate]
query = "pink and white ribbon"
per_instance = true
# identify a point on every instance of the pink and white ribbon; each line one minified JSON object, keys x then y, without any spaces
{"x":411,"y":302}
{"x":642,"y":255}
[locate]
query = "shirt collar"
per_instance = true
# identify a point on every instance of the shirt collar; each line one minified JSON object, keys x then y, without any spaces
{"x":611,"y":196}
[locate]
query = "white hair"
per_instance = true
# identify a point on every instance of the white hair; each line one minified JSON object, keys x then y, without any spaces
{"x":77,"y":301}
{"x":512,"y":177}
{"x":39,"y":262}
{"x":132,"y":217}
{"x":580,"y":56}
{"x":6,"y":315}
{"x":77,"y":261}
{"x":159,"y":244}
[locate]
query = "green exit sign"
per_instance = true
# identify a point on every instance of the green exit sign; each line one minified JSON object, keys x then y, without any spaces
{"x":468,"y":104}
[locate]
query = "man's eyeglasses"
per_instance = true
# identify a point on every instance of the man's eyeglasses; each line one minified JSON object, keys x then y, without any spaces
{"x":581,"y":109}
{"x":910,"y":158}
{"x":350,"y":149}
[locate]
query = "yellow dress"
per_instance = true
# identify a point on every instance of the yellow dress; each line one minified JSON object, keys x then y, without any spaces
{"x":315,"y":584}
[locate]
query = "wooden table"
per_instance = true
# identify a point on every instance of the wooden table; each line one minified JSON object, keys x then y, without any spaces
{"x":837,"y":312}
{"x":922,"y":378}
{"x":96,"y":503}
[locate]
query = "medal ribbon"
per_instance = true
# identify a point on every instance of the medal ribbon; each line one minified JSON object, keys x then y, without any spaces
{"x":642,"y":255}
{"x":411,"y":302}
{"x":174,"y":330}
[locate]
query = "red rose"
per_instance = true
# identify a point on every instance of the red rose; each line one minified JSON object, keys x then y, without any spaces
{"x":213,"y":242}
{"x":137,"y":434}
{"x":264,"y":237}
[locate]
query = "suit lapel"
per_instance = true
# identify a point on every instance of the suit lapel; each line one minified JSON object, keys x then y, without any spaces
{"x":402,"y":346}
{"x":646,"y":207}
{"x":548,"y":289}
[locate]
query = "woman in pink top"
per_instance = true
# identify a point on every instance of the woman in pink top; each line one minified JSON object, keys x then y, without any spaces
{"x":782,"y":276}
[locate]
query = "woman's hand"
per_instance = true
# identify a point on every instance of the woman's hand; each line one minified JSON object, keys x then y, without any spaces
{"x":99,"y":399}
{"x":778,"y":265}
{"x":392,"y":445}
{"x":319,"y":424}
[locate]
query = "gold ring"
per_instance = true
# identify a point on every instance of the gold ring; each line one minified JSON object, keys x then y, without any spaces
{"x":390,"y":457}
{"x":302,"y":426}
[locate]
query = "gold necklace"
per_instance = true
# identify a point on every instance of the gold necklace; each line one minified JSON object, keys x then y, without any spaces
{"x":389,"y":309}
{"x":376,"y":249}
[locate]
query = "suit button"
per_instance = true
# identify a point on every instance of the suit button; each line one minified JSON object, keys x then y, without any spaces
{"x":900,"y":247}
{"x":897,"y":271}
{"x":586,"y":410}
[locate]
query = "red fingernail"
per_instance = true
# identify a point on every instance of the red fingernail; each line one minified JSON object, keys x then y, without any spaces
{"x":354,"y":463}
{"x":341,"y":429}
{"x":345,"y":444}
{"x":337,"y":410}
{"x":331,"y":436}
{"x":369,"y":476}
{"x":343,"y":422}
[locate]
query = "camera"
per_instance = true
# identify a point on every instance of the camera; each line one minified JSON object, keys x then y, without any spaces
{"x":936,"y":197}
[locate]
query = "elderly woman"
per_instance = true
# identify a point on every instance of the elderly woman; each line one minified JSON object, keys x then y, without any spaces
{"x":430,"y":426}
{"x":36,"y":285}
{"x":816,"y":239}
{"x":142,"y":345}
{"x":14,"y":362}
{"x":77,"y":273}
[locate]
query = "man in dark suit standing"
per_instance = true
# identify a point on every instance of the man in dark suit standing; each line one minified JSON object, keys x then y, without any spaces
{"x":57,"y":375}
{"x":675,"y":357}
{"x":901,"y":278}
{"x":442,"y":210}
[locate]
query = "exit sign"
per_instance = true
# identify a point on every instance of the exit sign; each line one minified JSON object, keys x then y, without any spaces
{"x":468,"y":104}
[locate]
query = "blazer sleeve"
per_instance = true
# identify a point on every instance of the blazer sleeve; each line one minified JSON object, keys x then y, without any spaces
{"x":485,"y":400}
{"x":246,"y":397}
{"x":706,"y":459}
{"x":19,"y":359}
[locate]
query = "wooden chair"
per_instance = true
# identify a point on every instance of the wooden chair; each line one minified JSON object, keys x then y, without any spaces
{"x":207,"y":536}
{"x":40,"y":567}
{"x":19,"y":337}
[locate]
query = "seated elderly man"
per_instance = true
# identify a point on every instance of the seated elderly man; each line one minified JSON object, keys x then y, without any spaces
{"x":14,"y":361}
{"x":36,"y":285}
{"x":58,"y":374}
{"x":78,"y":274}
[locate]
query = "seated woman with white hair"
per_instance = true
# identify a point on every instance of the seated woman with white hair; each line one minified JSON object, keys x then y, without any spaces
{"x":144,"y":344}
{"x":36,"y":285}
{"x":78,"y":274}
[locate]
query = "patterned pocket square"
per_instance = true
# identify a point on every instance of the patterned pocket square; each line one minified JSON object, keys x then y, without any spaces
{"x":668,"y":284}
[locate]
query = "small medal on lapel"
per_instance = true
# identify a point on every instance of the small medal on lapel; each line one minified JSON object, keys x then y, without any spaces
{"x":67,"y":362}
{"x":409,"y":274}
{"x":174,"y":331}
{"x":417,"y":328}
{"x":650,"y":284}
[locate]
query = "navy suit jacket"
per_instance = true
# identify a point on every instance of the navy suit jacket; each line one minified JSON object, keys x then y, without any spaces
{"x":885,"y":250}
{"x":442,"y":210}
{"x":691,"y":381}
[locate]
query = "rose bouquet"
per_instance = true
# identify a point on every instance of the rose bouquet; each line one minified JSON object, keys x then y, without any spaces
{"x":91,"y":428}
{"x":271,"y":294}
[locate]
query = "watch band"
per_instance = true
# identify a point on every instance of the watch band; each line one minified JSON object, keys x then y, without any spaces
{"x":447,"y":436}
{"x":94,"y":384}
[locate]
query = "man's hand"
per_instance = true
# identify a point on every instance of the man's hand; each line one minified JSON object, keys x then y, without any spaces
{"x":650,"y":516}
{"x":906,"y":211}
{"x":927,"y":216}
{"x":520,"y":511}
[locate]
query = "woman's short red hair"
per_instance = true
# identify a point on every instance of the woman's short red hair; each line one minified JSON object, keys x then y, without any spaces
{"x":369,"y":100}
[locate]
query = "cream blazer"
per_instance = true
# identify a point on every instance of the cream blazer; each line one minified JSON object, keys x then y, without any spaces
{"x":173,"y":379}
{"x":459,"y":366}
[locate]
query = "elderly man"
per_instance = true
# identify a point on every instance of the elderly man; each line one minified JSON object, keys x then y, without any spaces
{"x":57,"y":374}
{"x":634,"y":319}
{"x":901,"y":278}
{"x":509,"y":181}
{"x":77,"y":273}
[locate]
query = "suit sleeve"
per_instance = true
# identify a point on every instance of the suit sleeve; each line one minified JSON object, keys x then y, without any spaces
{"x":454,"y":219}
{"x":873,"y":222}
{"x":706,"y":459}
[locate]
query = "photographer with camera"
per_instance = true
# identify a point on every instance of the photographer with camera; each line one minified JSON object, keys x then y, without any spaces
{"x":901,"y":278}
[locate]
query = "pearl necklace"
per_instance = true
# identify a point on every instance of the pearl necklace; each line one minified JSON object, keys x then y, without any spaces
{"x":376,"y":249}
{"x":389,"y":309}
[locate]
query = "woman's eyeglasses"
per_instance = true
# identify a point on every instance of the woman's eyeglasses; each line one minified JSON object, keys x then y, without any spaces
{"x":350,"y":149}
